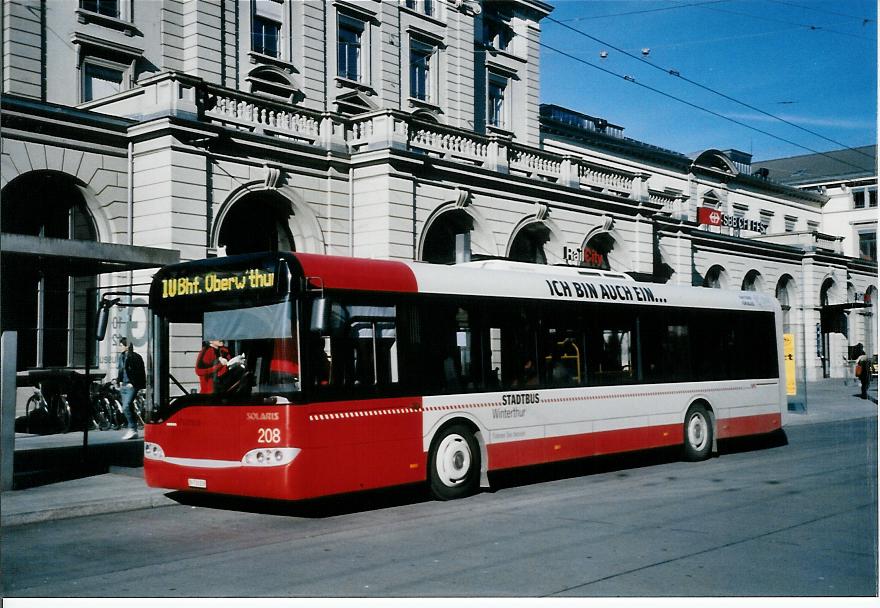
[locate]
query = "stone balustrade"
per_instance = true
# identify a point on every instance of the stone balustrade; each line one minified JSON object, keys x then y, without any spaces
{"x":535,"y":163}
{"x":605,"y":179}
{"x":245,"y":112}
{"x":666,"y":200}
{"x":449,"y":144}
{"x":172,"y":94}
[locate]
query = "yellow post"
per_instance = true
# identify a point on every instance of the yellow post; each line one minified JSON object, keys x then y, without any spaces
{"x":788,"y":354}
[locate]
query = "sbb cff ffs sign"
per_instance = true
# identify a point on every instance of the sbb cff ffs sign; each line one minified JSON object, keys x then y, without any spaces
{"x":713,"y":217}
{"x":709,"y":216}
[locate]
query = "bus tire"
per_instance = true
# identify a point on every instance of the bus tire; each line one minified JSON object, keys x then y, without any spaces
{"x":454,"y":463}
{"x":697,"y":434}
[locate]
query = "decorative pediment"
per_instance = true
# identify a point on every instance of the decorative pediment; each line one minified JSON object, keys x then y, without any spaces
{"x":355,"y":102}
{"x":275,"y":82}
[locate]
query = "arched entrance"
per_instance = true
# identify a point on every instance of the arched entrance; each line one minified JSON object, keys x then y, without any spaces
{"x":869,"y":316}
{"x":832,"y":320}
{"x":45,"y":300}
{"x":439,"y":245}
{"x":256,"y":222}
{"x":785,"y":293}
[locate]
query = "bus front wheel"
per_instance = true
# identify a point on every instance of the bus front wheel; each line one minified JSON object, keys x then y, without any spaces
{"x":697,"y":434}
{"x":454,"y":463}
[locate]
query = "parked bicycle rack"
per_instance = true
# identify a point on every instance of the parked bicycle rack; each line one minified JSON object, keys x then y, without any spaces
{"x":57,"y":387}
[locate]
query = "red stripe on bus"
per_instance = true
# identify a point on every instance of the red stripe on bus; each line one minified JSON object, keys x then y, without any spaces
{"x":549,"y":449}
{"x":357,"y":274}
{"x":534,"y":451}
{"x":748,"y":425}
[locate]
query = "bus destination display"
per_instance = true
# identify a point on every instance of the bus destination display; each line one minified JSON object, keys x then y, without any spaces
{"x":218,"y":282}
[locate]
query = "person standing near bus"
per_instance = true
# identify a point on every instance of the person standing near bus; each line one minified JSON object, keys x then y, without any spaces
{"x":131,"y":377}
{"x":863,"y":370}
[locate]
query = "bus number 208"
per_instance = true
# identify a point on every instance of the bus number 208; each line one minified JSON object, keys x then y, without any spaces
{"x":269,"y":436}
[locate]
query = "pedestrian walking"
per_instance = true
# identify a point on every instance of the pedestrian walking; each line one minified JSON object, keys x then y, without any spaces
{"x":131,"y":377}
{"x":863,"y":370}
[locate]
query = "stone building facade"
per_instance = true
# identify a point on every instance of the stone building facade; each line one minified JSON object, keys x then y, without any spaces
{"x":407,"y":129}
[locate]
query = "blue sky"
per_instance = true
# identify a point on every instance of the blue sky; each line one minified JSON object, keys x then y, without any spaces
{"x":812,"y":63}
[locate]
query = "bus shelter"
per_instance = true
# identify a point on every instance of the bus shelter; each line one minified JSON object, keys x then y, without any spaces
{"x":83,"y":262}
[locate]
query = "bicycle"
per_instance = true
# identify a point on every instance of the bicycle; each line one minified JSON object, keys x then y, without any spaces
{"x":140,"y":406}
{"x":114,"y":402}
{"x":102,"y":410}
{"x":55,"y":412}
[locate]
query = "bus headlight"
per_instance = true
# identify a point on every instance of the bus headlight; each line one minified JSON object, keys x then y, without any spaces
{"x":269,"y":457}
{"x":153,"y":451}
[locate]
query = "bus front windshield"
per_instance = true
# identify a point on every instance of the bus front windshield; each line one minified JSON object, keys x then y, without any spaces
{"x":240,"y":351}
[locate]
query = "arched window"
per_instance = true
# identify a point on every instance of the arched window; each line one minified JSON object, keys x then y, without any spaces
{"x":716,"y":278}
{"x":870,"y":321}
{"x":825,"y":292}
{"x":752,"y":281}
{"x":786,"y":296}
{"x":47,"y":306}
{"x":257,"y":222}
{"x":598,"y":250}
{"x":440,"y":239}
{"x":528,"y":244}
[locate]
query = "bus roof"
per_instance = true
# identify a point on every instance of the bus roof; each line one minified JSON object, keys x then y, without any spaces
{"x":497,"y":278}
{"x":247,"y":276}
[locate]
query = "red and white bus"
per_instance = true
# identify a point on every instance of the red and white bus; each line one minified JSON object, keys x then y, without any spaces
{"x":340,"y":374}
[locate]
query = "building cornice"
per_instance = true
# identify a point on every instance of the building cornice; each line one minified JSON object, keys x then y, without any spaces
{"x":38,"y":120}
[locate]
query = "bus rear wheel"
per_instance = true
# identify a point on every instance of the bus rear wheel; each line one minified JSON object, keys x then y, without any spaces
{"x":697,"y":434}
{"x":454,"y":463}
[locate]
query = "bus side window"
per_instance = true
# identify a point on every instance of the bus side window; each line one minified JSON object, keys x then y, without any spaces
{"x":358,"y":348}
{"x":449,"y":348}
{"x":562,"y":359}
{"x":518,"y":347}
{"x":610,"y":349}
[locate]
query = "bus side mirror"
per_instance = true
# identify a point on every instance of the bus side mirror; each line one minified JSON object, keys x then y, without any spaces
{"x":320,"y":315}
{"x":103,"y":316}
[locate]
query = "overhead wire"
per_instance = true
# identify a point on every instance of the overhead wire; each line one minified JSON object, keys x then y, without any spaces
{"x":808,"y":26}
{"x":864,"y":20}
{"x":647,"y":10}
{"x":677,"y":74}
{"x":632,"y":80}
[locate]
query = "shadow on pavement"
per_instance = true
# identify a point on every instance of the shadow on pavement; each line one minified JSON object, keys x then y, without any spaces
{"x":317,"y":508}
{"x":776,"y":439}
